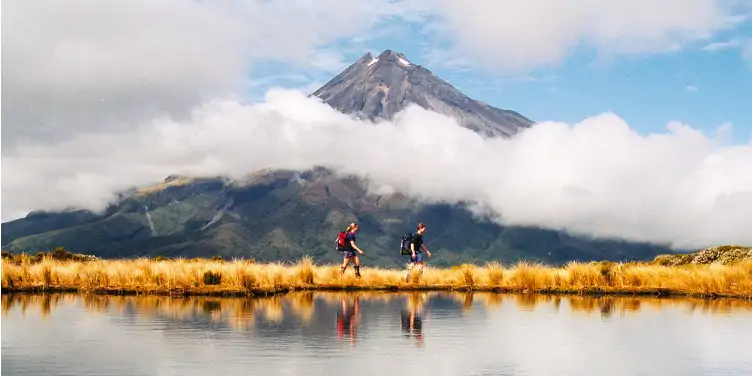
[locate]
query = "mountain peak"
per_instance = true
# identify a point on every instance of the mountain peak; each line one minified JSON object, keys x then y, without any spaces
{"x":378,"y":87}
{"x":385,"y":58}
{"x":393,"y":55}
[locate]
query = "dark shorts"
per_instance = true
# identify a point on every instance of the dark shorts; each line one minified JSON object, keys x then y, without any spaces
{"x":418,"y":257}
{"x":349,"y":254}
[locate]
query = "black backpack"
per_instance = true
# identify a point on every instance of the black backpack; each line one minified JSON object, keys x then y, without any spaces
{"x":405,"y":244}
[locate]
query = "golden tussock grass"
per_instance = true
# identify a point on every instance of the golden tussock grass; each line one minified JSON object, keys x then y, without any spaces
{"x":217,"y":277}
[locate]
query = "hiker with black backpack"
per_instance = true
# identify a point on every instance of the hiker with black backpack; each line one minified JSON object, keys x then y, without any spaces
{"x":346,"y":244}
{"x":412,"y":244}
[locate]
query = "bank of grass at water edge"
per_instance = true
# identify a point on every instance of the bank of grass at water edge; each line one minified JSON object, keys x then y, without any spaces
{"x":240,"y":277}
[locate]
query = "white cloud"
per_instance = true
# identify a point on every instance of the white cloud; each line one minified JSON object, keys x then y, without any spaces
{"x":598,"y":176}
{"x":720,"y":46}
{"x":93,"y":65}
{"x":691,"y":88}
{"x":743,"y":45}
{"x":523,"y":35}
{"x":331,"y":62}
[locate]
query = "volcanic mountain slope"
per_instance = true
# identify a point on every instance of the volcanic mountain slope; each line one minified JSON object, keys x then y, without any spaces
{"x":379,"y":87}
{"x":284,"y":215}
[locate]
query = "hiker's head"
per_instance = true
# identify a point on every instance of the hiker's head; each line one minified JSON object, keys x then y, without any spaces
{"x":421,"y":228}
{"x":352,"y":227}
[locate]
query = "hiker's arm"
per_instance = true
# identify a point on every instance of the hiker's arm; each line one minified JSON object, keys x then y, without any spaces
{"x":412,"y":248}
{"x":355,"y":247}
{"x":425,"y":250}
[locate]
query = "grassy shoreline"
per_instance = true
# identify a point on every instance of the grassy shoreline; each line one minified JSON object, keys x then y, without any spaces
{"x":649,"y":292}
{"x":202,"y":277}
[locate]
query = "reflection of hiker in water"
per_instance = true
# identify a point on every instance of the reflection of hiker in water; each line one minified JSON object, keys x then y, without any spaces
{"x":346,"y":319}
{"x":412,"y":325}
{"x":412,"y":317}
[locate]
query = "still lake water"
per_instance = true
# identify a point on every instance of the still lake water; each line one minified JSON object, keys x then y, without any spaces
{"x":352,"y":334}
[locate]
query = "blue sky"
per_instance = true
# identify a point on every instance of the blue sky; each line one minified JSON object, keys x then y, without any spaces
{"x":705,"y":83}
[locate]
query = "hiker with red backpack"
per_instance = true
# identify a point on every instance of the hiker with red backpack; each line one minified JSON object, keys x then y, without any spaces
{"x":346,"y":244}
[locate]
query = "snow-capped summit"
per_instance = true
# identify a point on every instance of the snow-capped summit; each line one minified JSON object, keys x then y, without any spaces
{"x":379,"y":87}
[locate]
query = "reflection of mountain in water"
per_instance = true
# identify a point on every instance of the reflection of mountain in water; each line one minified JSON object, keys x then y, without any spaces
{"x":316,"y":315}
{"x":411,"y":333}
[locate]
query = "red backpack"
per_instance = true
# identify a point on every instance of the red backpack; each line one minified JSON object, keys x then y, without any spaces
{"x":341,"y":238}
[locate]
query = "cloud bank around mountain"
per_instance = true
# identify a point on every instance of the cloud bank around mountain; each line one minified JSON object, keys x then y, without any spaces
{"x":597,"y":177}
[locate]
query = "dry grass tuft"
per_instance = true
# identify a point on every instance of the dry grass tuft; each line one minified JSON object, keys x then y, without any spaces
{"x":304,"y":273}
{"x":495,"y":273}
{"x":468,"y":274}
{"x":207,"y":277}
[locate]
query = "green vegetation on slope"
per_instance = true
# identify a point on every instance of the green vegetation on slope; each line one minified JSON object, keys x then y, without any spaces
{"x":285,"y":215}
